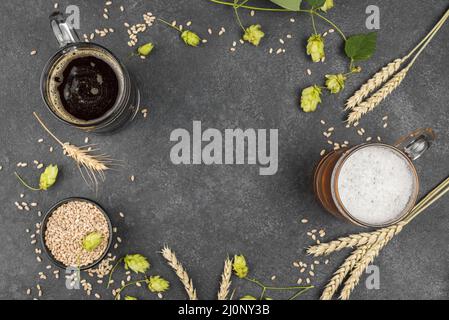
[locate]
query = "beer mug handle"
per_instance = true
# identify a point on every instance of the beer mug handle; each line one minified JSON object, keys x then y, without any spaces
{"x":416,"y":143}
{"x":64,"y":33}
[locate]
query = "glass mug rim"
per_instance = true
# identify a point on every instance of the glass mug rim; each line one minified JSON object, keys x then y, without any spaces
{"x":66,"y":50}
{"x":335,"y":179}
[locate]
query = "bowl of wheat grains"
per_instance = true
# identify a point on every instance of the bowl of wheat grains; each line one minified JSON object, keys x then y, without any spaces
{"x":67,"y":224}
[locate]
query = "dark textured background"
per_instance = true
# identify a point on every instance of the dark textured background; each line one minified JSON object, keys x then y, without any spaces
{"x":207,"y":212}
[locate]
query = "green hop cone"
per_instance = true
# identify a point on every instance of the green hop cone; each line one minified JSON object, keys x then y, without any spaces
{"x":92,"y":241}
{"x":136,"y":263}
{"x":253,"y":34}
{"x":48,"y":177}
{"x":146,"y":49}
{"x":190,"y":38}
{"x":310,"y":98}
{"x":157,"y":284}
{"x":329,"y":4}
{"x":315,"y":47}
{"x":130,"y":298}
{"x":240,"y":267}
{"x":335,"y":82}
{"x":248,"y":297}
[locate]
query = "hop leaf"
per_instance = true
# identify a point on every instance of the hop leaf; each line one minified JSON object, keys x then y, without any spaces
{"x":310,"y":98}
{"x":335,"y":82}
{"x":248,"y":297}
{"x":190,"y":38}
{"x":157,"y":284}
{"x":92,"y":241}
{"x":294,"y":5}
{"x":130,"y":298}
{"x":240,"y":267}
{"x":137,"y":263}
{"x":253,"y":34}
{"x":329,"y":4}
{"x":315,"y":47}
{"x":48,"y":177}
{"x":316,"y":3}
{"x":146,"y":49}
{"x":361,"y":47}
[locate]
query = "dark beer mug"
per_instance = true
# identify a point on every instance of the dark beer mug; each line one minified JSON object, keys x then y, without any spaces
{"x":85,"y":85}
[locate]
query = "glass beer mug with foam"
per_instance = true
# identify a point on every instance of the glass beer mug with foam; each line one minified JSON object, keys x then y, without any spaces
{"x":373,"y":184}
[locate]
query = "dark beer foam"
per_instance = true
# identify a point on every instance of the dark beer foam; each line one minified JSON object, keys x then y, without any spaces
{"x":76,"y":90}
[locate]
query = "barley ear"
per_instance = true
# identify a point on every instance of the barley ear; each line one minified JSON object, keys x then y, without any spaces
{"x":93,"y":164}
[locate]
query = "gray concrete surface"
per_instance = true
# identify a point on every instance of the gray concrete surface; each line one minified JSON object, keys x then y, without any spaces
{"x":207,"y":212}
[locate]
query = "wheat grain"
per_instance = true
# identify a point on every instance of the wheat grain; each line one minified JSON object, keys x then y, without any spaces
{"x":376,"y":81}
{"x":173,"y":262}
{"x":373,"y":101}
{"x":66,"y":228}
{"x":225,"y":283}
{"x":354,"y":240}
{"x":342,"y":272}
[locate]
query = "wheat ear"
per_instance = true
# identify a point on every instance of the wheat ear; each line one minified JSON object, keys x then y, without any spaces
{"x":373,"y":101}
{"x":360,"y":266}
{"x":173,"y":262}
{"x":341,"y":273}
{"x":93,"y":164}
{"x":225,"y":283}
{"x":372,"y":237}
{"x":376,"y":81}
{"x":383,"y":240}
{"x":359,"y":108}
{"x":389,"y":70}
{"x":353,"y":240}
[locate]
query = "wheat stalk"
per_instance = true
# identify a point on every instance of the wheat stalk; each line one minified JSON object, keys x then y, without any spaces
{"x":366,"y":253}
{"x":225,"y":283}
{"x":363,"y":238}
{"x":343,"y":271}
{"x":374,"y":251}
{"x":93,"y":164}
{"x":173,"y":262}
{"x":358,"y":107}
{"x":354,"y":240}
{"x":376,"y":81}
{"x":372,"y":102}
{"x":360,"y":266}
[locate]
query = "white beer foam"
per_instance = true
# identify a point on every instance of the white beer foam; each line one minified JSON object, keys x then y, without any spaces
{"x":376,"y":184}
